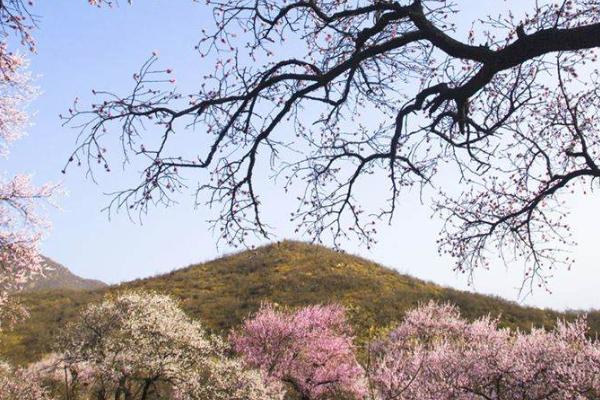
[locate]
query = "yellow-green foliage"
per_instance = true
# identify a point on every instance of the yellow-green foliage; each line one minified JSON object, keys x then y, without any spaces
{"x":222,"y":292}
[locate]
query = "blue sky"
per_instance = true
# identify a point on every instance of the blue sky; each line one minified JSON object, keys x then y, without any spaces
{"x":80,"y":48}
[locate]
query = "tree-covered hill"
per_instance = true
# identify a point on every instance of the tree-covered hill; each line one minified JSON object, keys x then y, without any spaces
{"x":224,"y":291}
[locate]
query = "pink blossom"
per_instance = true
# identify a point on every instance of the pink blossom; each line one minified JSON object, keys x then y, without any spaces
{"x":436,"y":354}
{"x":309,"y":349}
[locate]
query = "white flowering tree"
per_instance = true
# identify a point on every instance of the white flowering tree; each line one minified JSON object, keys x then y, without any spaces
{"x":143,"y":346}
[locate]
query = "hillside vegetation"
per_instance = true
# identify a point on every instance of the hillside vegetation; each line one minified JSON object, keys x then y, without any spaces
{"x":224,"y":291}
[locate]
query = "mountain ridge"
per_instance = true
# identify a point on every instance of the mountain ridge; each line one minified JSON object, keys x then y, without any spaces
{"x":57,"y":276}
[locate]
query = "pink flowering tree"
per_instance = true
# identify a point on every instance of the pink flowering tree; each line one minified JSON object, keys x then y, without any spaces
{"x":436,"y":354}
{"x":20,"y":384}
{"x":309,"y":349}
{"x":20,"y":224}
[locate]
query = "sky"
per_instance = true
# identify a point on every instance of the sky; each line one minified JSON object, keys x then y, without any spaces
{"x":81,"y":48}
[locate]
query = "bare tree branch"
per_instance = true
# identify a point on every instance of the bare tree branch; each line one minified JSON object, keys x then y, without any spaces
{"x":508,"y":108}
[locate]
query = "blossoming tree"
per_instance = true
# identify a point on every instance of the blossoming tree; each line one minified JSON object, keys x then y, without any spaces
{"x":435,"y":354}
{"x":21,"y":226}
{"x":20,"y":384}
{"x":142,"y":346}
{"x":309,"y":349}
{"x":20,"y":223}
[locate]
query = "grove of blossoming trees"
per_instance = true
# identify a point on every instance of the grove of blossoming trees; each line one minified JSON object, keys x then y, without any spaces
{"x":435,"y":354}
{"x":385,"y":88}
{"x":141,"y":346}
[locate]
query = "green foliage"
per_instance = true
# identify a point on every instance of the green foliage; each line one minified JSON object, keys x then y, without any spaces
{"x":224,"y":291}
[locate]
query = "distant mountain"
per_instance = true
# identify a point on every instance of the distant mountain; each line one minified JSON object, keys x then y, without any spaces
{"x":58,"y":276}
{"x":224,"y":291}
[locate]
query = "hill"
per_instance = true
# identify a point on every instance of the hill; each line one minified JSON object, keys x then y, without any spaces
{"x":222,"y":292}
{"x":58,"y":276}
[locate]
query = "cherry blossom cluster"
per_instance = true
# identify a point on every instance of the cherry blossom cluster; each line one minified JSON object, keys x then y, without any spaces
{"x":16,"y":90}
{"x":21,"y":226}
{"x":310,"y":349}
{"x":19,"y":229}
{"x":436,"y":354}
{"x":20,"y":384}
{"x":20,"y":222}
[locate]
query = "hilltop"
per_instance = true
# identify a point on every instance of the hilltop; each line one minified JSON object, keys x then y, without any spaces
{"x":223,"y":291}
